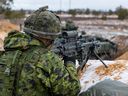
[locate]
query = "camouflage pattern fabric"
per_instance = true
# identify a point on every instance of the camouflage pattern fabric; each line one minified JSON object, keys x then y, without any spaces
{"x":8,"y":61}
{"x":43,"y":20}
{"x":28,"y":69}
{"x":69,"y":26}
{"x":20,"y":41}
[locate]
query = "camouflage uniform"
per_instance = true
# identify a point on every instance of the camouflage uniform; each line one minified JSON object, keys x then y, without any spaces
{"x":27,"y":68}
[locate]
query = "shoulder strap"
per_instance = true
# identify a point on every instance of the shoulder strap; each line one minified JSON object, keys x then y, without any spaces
{"x":8,"y":69}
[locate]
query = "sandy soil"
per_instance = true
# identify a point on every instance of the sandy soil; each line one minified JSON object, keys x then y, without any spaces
{"x":5,"y":28}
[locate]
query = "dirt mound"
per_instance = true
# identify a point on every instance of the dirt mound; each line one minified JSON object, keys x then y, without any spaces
{"x":123,"y":57}
{"x":122,"y":42}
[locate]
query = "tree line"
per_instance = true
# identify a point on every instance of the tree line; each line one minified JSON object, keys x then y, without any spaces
{"x":5,"y":9}
{"x":120,"y":11}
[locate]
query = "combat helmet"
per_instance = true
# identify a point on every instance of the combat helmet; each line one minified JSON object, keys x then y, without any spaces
{"x":42,"y":24}
{"x":69,"y":26}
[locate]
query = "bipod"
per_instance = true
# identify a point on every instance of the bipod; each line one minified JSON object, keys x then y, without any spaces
{"x":89,"y":53}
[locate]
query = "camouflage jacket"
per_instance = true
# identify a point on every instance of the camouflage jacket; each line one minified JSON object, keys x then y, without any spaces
{"x":28,"y":69}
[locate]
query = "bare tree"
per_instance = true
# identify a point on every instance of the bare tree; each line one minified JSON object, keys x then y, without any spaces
{"x":5,"y":4}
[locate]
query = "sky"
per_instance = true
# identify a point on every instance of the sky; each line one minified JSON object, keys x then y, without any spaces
{"x":69,"y":4}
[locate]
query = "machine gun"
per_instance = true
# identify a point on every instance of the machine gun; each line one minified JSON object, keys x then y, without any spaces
{"x":91,"y":51}
{"x":72,"y":46}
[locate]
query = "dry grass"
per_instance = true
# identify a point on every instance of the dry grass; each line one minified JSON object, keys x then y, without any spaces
{"x":5,"y":28}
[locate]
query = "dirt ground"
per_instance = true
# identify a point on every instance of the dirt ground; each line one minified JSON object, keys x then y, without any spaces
{"x":5,"y":27}
{"x":123,"y":57}
{"x":122,"y":42}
